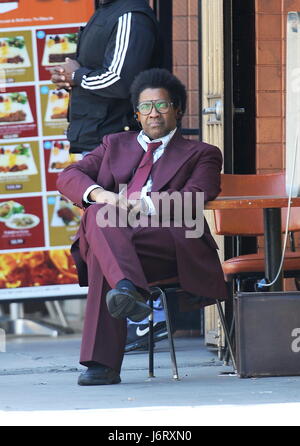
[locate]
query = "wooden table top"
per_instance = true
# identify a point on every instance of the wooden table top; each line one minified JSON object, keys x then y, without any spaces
{"x":251,"y":202}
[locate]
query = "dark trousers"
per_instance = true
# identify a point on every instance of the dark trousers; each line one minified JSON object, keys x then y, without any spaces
{"x":142,"y":255}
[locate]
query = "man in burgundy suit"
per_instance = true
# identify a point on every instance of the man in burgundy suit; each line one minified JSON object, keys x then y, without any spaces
{"x":126,"y":179}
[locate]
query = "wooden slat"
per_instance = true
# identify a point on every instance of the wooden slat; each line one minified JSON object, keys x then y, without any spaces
{"x":212,"y":90}
{"x":251,"y":202}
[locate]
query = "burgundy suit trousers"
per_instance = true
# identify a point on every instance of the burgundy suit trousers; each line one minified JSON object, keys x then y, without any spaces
{"x":142,"y":255}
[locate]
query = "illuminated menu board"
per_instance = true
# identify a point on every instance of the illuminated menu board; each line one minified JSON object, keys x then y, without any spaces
{"x":37,"y":225}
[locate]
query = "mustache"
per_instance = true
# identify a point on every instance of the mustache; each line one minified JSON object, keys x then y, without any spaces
{"x":155,"y":120}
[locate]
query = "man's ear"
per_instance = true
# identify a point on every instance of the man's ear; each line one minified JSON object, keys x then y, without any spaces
{"x":179,"y":113}
{"x":136,"y":116}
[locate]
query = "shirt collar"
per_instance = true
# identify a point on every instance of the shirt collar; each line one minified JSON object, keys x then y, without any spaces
{"x":143,"y":139}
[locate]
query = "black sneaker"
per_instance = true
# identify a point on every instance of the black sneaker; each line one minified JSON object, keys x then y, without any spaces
{"x":124,"y":303}
{"x":138,"y":335}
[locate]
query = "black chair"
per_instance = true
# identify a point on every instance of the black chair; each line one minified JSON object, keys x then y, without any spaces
{"x":161,"y":288}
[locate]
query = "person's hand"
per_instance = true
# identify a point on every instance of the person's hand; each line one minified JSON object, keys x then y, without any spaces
{"x":69,"y":67}
{"x":134,"y":206}
{"x":137,"y":210}
{"x":62,"y":74}
{"x":103,"y":196}
{"x":59,"y":79}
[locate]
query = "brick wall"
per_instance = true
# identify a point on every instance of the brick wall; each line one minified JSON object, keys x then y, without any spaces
{"x":185,"y":55}
{"x":270,"y":82}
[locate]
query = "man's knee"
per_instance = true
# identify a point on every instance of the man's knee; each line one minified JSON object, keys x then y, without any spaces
{"x":107,"y":218}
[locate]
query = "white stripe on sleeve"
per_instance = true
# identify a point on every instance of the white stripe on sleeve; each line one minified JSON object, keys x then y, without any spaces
{"x":112,"y":75}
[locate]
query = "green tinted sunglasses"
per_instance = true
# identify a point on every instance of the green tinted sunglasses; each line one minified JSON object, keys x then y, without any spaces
{"x":145,"y":108}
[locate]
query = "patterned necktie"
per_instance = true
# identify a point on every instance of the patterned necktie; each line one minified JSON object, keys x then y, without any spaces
{"x":143,"y":171}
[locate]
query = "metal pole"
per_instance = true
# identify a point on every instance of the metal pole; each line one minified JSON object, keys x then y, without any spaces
{"x":170,"y":336}
{"x":273,"y":246}
{"x":151,"y":342}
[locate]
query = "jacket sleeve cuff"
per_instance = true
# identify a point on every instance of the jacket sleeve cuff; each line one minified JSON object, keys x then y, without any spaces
{"x":78,"y":75}
{"x":88,"y":191}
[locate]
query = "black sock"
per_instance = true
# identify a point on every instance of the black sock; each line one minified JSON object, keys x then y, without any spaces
{"x":125,"y":283}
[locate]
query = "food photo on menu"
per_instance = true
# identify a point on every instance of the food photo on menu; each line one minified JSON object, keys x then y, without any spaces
{"x":53,"y":47}
{"x":54,"y":106}
{"x":13,"y":215}
{"x":18,"y":117}
{"x":16,"y":56}
{"x":57,"y":107}
{"x":15,"y":107}
{"x":58,"y":47}
{"x":21,"y":222}
{"x":9,"y":209}
{"x":13,"y":52}
{"x":63,"y":220}
{"x":20,"y":167}
{"x":17,"y":160}
{"x":65,"y":213}
{"x":57,"y":157}
{"x":60,"y":157}
{"x":37,"y":268}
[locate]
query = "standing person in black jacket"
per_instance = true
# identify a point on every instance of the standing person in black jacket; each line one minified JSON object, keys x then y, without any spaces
{"x":120,"y":40}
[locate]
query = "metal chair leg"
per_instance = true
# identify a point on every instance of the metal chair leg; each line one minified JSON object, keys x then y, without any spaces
{"x":56,"y":312}
{"x":231,"y":334}
{"x":151,"y":342}
{"x":170,"y":336}
{"x":226,"y":332}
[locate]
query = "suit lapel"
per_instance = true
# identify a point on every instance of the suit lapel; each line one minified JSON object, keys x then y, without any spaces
{"x":125,"y":158}
{"x":175,"y":155}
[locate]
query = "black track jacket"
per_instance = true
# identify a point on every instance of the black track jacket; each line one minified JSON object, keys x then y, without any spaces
{"x":120,"y":40}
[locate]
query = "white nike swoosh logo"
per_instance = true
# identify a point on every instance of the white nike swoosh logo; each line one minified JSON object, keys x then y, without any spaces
{"x":144,"y":331}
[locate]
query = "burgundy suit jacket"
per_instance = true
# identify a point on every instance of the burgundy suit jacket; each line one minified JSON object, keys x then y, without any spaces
{"x":185,"y":166}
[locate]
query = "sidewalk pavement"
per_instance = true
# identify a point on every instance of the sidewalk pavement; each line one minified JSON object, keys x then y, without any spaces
{"x":38,"y":387}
